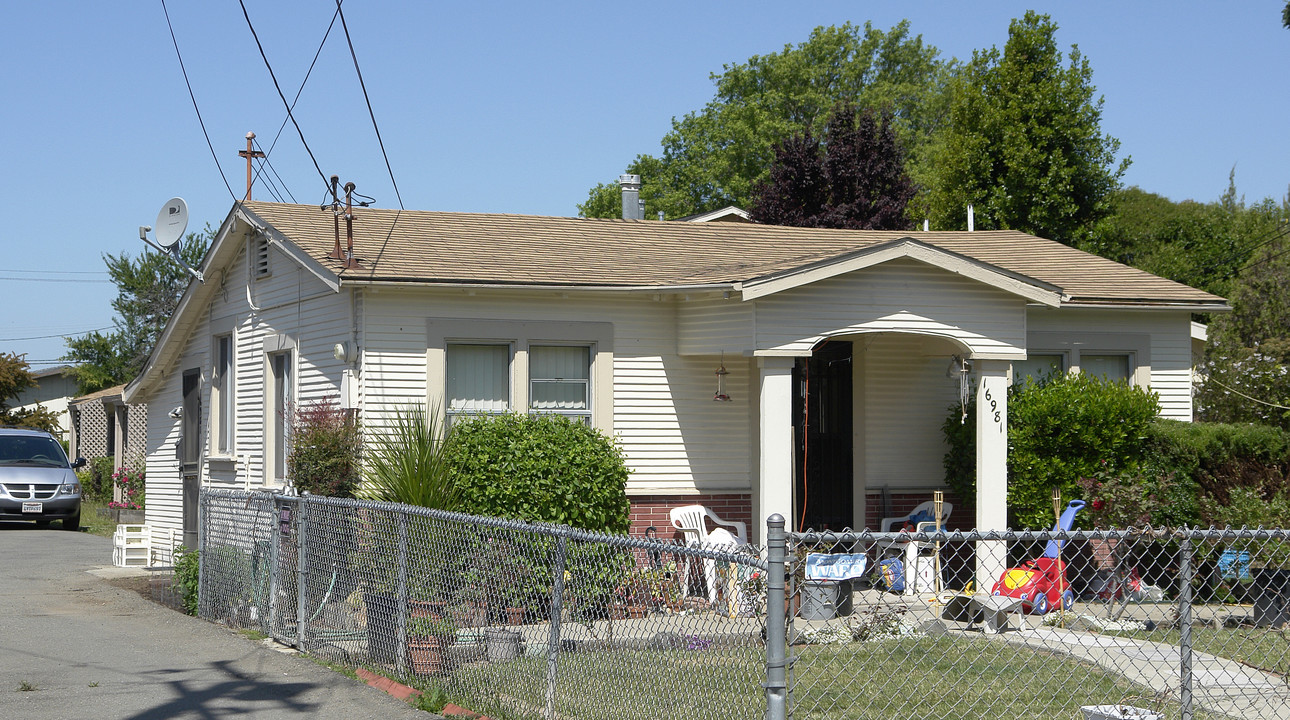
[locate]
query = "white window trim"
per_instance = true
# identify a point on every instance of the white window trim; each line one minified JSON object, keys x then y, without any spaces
{"x":599,"y":336}
{"x":223,"y":401}
{"x":275,"y":345}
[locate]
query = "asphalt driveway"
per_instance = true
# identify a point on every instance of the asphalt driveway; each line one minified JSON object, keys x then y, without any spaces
{"x":85,"y":648}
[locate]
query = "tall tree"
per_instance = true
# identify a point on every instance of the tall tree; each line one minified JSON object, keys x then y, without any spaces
{"x":15,"y":377}
{"x":855,"y":178}
{"x":1023,"y":141}
{"x":718,"y":156}
{"x":149,"y":288}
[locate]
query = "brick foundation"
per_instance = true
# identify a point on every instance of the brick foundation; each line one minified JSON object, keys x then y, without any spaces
{"x":963,"y":517}
{"x":647,"y":510}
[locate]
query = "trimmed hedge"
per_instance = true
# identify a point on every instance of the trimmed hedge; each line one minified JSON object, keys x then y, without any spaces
{"x":544,"y":468}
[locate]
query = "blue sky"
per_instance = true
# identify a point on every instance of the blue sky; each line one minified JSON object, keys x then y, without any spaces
{"x":512,"y":107}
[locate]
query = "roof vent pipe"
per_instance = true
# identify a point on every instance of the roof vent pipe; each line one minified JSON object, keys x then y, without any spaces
{"x":927,"y":224}
{"x":631,"y":185}
{"x":971,"y":219}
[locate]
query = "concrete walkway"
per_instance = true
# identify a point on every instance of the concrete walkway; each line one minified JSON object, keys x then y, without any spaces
{"x":1219,"y":685}
{"x":74,"y":646}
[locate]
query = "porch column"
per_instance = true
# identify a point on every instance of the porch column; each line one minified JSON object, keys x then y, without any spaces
{"x":991,"y":466}
{"x":775,"y":476}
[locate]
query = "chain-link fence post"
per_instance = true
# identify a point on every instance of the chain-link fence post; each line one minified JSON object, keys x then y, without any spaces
{"x":776,"y":620}
{"x":1184,"y":624}
{"x":401,"y":636}
{"x":203,"y":517}
{"x":557,"y":608}
{"x":276,"y":538}
{"x":302,"y":568}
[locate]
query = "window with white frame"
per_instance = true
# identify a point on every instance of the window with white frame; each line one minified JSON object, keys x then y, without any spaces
{"x":279,"y":400}
{"x":560,"y":380}
{"x":478,"y":378}
{"x":222,"y":401}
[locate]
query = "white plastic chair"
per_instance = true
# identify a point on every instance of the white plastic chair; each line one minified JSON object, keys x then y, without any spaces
{"x":691,"y":520}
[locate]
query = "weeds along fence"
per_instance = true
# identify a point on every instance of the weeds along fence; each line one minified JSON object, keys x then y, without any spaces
{"x":508,"y":619}
{"x":517,"y":620}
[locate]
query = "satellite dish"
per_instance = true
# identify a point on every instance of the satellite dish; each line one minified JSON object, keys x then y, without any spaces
{"x":171,"y":223}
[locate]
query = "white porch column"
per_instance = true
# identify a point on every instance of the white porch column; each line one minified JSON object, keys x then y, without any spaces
{"x":775,"y":474}
{"x":991,"y":466}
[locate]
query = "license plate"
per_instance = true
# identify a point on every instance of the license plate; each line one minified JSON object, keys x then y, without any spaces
{"x":33,"y":507}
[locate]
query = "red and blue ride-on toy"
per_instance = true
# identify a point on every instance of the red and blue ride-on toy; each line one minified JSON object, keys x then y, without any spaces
{"x":1041,"y":583}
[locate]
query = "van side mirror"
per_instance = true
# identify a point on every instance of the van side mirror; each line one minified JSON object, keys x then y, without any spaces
{"x":78,"y":463}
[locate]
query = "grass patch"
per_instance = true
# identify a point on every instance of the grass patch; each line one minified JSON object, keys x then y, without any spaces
{"x":25,"y":686}
{"x":341,"y":668}
{"x":93,"y":523}
{"x":251,"y":634}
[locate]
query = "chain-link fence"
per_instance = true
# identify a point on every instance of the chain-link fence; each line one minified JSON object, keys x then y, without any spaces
{"x":509,"y":619}
{"x":1175,"y":624}
{"x":518,"y":620}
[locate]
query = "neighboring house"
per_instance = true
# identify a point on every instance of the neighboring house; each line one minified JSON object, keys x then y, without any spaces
{"x":104,"y":426}
{"x":843,"y":351}
{"x":54,"y":388}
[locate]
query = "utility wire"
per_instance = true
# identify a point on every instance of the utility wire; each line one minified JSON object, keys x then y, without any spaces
{"x":51,"y":280}
{"x":368,"y":100}
{"x":60,"y":335}
{"x":302,"y":84}
{"x":1247,"y":397}
{"x":278,"y":87}
{"x":60,"y":272}
{"x":194,"y":99}
{"x":283,"y":183}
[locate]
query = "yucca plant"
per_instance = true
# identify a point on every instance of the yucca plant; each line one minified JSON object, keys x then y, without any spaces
{"x":408,"y":463}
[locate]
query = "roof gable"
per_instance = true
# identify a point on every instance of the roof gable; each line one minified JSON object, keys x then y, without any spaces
{"x":907,"y":247}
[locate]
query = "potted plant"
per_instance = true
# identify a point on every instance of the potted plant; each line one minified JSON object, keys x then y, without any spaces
{"x":428,"y":641}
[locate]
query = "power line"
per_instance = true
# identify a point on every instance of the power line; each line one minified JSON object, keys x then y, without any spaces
{"x":368,"y":100}
{"x":61,"y":272}
{"x":60,"y":335}
{"x":51,"y":280}
{"x":272,"y":169}
{"x":194,"y":99}
{"x":278,"y":87}
{"x":301,"y":89}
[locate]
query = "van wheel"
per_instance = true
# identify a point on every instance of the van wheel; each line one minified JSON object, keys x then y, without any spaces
{"x":72,"y":522}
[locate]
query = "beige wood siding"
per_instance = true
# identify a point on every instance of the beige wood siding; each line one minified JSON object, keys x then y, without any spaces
{"x":712,"y":324}
{"x":1161,"y":339}
{"x":675,"y":437}
{"x":291,"y":302}
{"x":901,"y":295}
{"x":906,"y":398}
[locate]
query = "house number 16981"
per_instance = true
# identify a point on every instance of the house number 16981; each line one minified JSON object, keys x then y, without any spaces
{"x":994,"y":409}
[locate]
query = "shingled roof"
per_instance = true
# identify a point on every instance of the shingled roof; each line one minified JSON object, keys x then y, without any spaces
{"x":497,"y":249}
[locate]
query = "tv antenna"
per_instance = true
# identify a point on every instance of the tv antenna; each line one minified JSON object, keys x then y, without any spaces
{"x":171,"y":223}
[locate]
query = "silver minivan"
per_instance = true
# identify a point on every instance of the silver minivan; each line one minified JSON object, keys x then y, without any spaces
{"x":36,"y":480}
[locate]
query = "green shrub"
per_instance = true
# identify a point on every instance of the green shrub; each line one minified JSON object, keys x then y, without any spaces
{"x":96,"y":479}
{"x":544,"y":468}
{"x":187,"y":570}
{"x":326,"y":445}
{"x":1069,"y":427}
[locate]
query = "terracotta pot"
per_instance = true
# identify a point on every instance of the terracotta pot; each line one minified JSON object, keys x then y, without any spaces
{"x":425,"y":609}
{"x":617,"y":612}
{"x":636,"y":612}
{"x":425,"y":655}
{"x":514,"y":616}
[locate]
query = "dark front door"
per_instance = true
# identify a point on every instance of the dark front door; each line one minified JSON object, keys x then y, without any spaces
{"x":823,"y":485}
{"x":190,"y":455}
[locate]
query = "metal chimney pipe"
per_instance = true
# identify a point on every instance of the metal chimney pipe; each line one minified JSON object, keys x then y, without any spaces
{"x":971,"y":219}
{"x":631,"y":185}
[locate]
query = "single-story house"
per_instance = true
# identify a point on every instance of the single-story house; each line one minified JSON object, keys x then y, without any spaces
{"x":54,"y":388}
{"x":102,"y":425}
{"x":755,"y":369}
